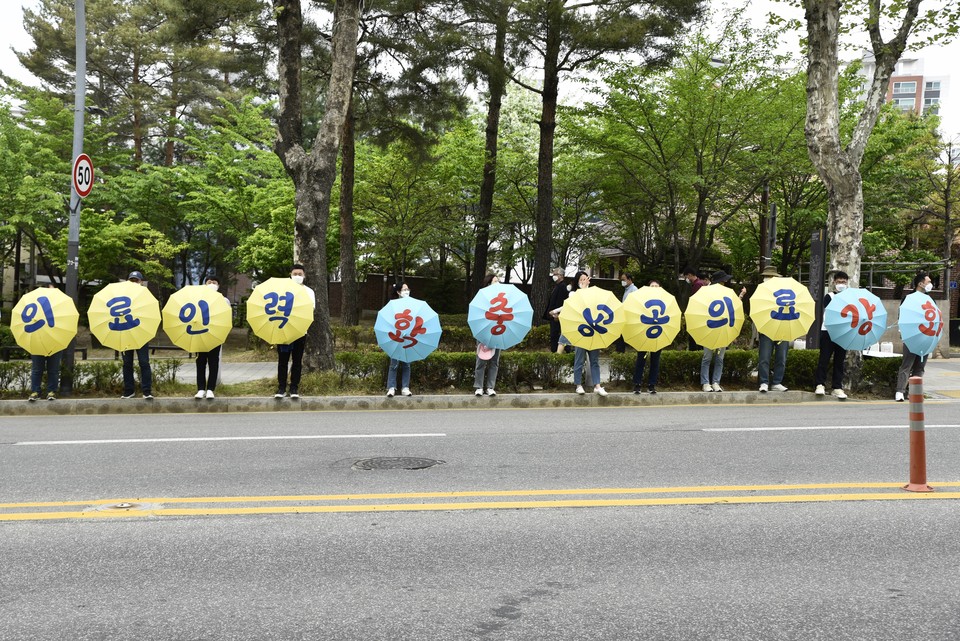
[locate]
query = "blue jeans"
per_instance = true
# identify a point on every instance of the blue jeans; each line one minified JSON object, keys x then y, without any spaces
{"x":392,"y":373}
{"x":654,"y":368}
{"x":579,"y":356}
{"x":491,"y":366}
{"x":52,"y":366}
{"x":708,"y":355}
{"x":146,"y":378}
{"x":778,"y":349}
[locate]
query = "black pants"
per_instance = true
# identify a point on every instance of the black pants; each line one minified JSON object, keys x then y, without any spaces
{"x":211,"y":359}
{"x":827,"y":349}
{"x":554,"y":335}
{"x":284,"y":352}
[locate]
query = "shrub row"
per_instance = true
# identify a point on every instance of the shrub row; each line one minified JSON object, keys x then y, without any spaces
{"x":90,"y":377}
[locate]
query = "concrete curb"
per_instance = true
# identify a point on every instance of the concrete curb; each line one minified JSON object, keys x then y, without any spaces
{"x":81,"y":407}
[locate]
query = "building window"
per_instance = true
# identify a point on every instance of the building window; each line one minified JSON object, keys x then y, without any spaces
{"x":931,"y":105}
{"x":933,"y":85}
{"x":905,"y":104}
{"x":905,"y":87}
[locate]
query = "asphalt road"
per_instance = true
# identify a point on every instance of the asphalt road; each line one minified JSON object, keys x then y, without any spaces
{"x":624,"y":523}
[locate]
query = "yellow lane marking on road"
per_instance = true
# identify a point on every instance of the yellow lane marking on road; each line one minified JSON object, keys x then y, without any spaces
{"x":497,"y":505}
{"x":95,"y":507}
{"x":472,"y":494}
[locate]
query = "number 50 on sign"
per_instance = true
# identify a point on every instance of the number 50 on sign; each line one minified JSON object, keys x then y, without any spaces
{"x":83,"y":175}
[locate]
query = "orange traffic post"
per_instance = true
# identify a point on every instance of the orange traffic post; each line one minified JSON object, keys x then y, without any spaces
{"x":918,"y":445}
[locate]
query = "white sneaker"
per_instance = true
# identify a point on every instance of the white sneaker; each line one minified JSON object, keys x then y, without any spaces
{"x":717,"y":388}
{"x":580,"y":390}
{"x":898,"y":397}
{"x":479,"y":392}
{"x":820,"y":391}
{"x":210,"y":393}
{"x":839,"y":394}
{"x":707,"y":388}
{"x":406,"y":391}
{"x":599,"y":390}
{"x":200,"y":394}
{"x":779,"y":388}
{"x":763,"y":387}
{"x":391,"y":392}
{"x":491,"y":392}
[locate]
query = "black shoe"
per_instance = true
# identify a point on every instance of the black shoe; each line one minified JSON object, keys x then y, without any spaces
{"x":653,"y":390}
{"x":148,"y":396}
{"x":279,"y":393}
{"x":294,"y":393}
{"x":637,"y":389}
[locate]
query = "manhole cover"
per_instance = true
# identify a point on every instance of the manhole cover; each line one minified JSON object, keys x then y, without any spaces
{"x":395,"y":463}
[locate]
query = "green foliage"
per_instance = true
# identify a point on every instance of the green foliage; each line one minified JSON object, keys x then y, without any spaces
{"x":91,"y":378}
{"x":680,"y":369}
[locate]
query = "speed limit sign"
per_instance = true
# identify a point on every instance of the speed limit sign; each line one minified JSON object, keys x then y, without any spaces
{"x":83,"y":175}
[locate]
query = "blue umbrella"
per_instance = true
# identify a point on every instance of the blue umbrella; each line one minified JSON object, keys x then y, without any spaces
{"x":855,"y":318}
{"x":407,"y":329}
{"x":500,"y":316}
{"x":920,"y":323}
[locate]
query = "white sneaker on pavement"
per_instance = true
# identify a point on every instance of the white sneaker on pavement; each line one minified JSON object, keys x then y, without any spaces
{"x":838,"y":393}
{"x":779,"y":388}
{"x":210,"y":393}
{"x":391,"y":392}
{"x":707,"y":387}
{"x":580,"y":390}
{"x":820,"y":391}
{"x":599,"y":390}
{"x":491,"y":392}
{"x":479,"y":392}
{"x":763,"y":387}
{"x":200,"y":394}
{"x":898,"y":397}
{"x":406,"y":391}
{"x":717,"y":388}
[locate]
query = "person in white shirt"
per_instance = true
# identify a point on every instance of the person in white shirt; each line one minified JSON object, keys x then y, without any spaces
{"x":295,"y":348}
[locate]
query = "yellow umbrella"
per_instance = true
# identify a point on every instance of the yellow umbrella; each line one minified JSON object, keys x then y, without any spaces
{"x":124,"y":316}
{"x":714,"y":316}
{"x":652,"y":319}
{"x":592,"y":318}
{"x":44,"y":321}
{"x":782,"y":309}
{"x":197,"y":319}
{"x":279,"y":311}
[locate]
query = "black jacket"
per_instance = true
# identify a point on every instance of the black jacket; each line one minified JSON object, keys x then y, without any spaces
{"x":557,"y":296}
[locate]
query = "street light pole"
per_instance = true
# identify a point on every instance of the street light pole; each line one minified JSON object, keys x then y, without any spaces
{"x":73,"y":229}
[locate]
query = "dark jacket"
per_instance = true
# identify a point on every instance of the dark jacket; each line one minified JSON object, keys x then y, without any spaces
{"x":557,"y":296}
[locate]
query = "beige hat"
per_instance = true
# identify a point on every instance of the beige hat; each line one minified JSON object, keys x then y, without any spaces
{"x":557,"y":271}
{"x":770,"y":272}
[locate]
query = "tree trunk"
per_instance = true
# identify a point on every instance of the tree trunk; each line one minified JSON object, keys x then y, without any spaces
{"x":548,"y":124}
{"x":496,"y":81}
{"x":313,"y":175}
{"x":349,"y":291}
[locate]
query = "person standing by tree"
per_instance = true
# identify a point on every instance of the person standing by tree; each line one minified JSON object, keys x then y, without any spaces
{"x":912,"y":364}
{"x":626,"y":281}
{"x":295,"y":349}
{"x":206,"y":384}
{"x":559,"y":294}
{"x":143,"y":358}
{"x":771,"y":348}
{"x":830,"y":349}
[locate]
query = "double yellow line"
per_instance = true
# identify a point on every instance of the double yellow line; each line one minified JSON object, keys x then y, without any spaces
{"x":420,"y":501}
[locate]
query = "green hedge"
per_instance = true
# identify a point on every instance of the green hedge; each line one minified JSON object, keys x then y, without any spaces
{"x":456,"y":337}
{"x":89,"y":377}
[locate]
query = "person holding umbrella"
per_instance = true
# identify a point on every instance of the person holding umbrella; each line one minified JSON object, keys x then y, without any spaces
{"x":206,"y":384}
{"x":294,"y":349}
{"x":488,"y":359}
{"x":711,"y":383}
{"x":771,"y":348}
{"x":912,"y":364}
{"x":50,"y":364}
{"x":582,"y":354}
{"x":830,"y":349}
{"x":143,"y":358}
{"x":640,"y":363}
{"x":400,"y":290}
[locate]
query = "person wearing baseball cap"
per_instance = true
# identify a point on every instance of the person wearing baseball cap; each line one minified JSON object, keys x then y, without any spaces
{"x":143,"y":357}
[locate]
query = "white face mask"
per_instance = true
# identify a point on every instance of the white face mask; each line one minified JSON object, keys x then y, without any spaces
{"x":213,"y":286}
{"x":623,"y":283}
{"x":928,"y":287}
{"x":404,"y":293}
{"x":297,"y":279}
{"x":557,"y":279}
{"x":841,"y":287}
{"x":569,"y":288}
